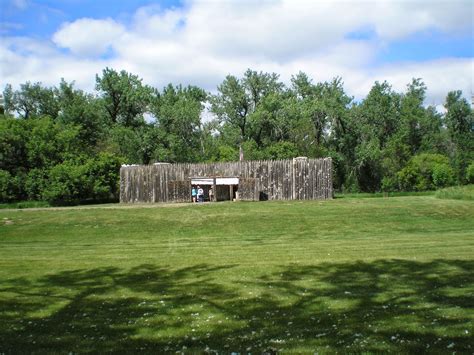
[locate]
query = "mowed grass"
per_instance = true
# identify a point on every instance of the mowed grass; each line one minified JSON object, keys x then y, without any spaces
{"x":350,"y":275}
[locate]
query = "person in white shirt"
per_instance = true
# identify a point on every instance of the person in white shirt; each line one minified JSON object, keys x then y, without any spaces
{"x":200,"y":194}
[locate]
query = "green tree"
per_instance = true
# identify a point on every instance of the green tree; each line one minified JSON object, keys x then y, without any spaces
{"x":178,"y":119}
{"x":13,"y":140}
{"x":8,"y":104}
{"x":50,"y":143}
{"x":372,"y":125}
{"x":125,"y":98}
{"x":412,"y":115}
{"x":460,"y":123}
{"x":125,"y":142}
{"x":322,"y":120}
{"x":34,"y":100}
{"x":83,"y":111}
{"x":238,"y":99}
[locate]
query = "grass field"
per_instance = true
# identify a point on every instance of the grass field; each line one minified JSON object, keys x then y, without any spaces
{"x":348,"y":275}
{"x":457,"y":193}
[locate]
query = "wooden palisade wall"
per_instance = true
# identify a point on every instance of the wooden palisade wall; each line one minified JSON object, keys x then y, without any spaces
{"x":296,"y":179}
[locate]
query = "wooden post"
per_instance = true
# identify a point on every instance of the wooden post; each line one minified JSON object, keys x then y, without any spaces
{"x":231,"y":190}
{"x":214,"y":190}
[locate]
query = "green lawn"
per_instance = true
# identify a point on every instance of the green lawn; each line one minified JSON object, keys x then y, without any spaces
{"x":360,"y":275}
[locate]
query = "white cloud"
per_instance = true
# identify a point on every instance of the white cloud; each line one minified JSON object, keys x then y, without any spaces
{"x":440,"y":76}
{"x":88,"y":37}
{"x":23,"y":59}
{"x":397,"y":19}
{"x":203,"y":41}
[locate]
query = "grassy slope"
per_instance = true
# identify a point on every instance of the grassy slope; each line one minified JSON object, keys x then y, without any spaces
{"x":390,"y":274}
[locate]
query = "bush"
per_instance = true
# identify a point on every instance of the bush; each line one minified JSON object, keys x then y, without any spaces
{"x":389,"y":183}
{"x":103,"y":177}
{"x":426,"y":172}
{"x":443,"y":175}
{"x":68,"y":184}
{"x":94,"y":179}
{"x":36,"y":180}
{"x":5,"y":186}
{"x":470,"y":173}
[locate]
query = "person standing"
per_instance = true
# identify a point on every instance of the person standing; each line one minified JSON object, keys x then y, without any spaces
{"x":211,"y":195}
{"x":194,"y":193}
{"x":200,"y":194}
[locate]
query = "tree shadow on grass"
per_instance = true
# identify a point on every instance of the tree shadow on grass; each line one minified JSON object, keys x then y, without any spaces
{"x":379,"y":306}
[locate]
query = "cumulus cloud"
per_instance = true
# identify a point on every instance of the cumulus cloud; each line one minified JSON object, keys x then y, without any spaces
{"x":440,"y":76}
{"x":201,"y":42}
{"x":397,"y":19}
{"x":88,"y":37}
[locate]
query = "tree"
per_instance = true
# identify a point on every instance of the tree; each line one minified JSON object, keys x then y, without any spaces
{"x":33,"y":100}
{"x":237,"y":99}
{"x":412,"y":115}
{"x":374,"y":123}
{"x":8,"y":104}
{"x":125,"y":142}
{"x":460,"y":124}
{"x":13,"y":140}
{"x":50,"y":143}
{"x":83,"y":111}
{"x":325,"y":105}
{"x":178,"y":119}
{"x":124,"y":96}
{"x":270,"y":122}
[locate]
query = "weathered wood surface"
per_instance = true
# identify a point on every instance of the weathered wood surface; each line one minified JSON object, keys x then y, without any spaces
{"x":297,"y":179}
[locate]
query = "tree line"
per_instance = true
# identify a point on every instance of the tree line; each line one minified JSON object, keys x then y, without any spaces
{"x":64,"y":145}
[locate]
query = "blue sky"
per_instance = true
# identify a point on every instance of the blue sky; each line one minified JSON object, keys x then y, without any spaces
{"x":423,"y":45}
{"x":42,"y":18}
{"x":199,"y":42}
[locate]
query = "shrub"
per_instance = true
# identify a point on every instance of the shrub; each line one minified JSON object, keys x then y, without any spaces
{"x":36,"y":180}
{"x":67,"y":184}
{"x":443,"y":175}
{"x":5,"y":186}
{"x":470,"y":173}
{"x":389,"y":183}
{"x":75,"y":181}
{"x":103,"y":177}
{"x":426,"y":172}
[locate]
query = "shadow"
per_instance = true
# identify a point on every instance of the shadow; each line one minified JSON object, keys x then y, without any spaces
{"x":263,"y":196}
{"x":380,"y":306}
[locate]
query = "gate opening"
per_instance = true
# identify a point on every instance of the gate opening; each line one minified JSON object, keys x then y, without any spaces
{"x":225,"y":188}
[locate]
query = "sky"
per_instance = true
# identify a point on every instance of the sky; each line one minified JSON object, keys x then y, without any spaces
{"x":200,"y":42}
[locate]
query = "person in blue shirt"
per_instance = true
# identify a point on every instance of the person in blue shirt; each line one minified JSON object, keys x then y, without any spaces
{"x":194,"y":193}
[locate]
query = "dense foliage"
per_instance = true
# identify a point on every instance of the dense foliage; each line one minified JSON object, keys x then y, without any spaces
{"x":63,"y":145}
